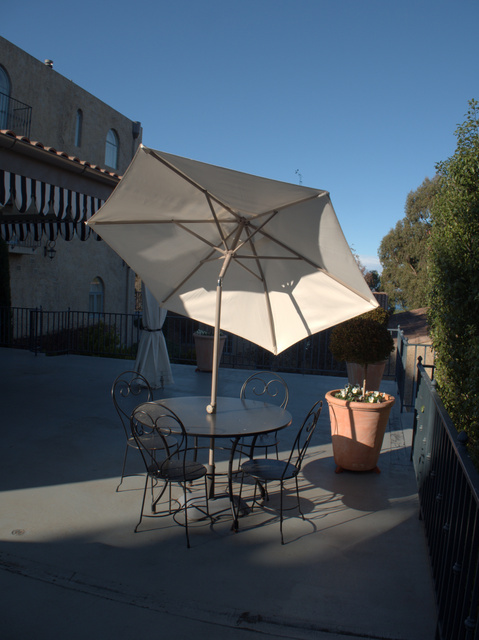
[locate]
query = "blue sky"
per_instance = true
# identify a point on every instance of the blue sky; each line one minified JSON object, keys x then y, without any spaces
{"x":359,"y":97}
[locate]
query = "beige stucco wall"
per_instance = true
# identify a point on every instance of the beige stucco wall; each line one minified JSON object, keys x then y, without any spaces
{"x":64,"y":281}
{"x":55,"y":100}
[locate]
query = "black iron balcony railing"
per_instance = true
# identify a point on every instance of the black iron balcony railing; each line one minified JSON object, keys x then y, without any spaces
{"x":118,"y":335}
{"x":448,"y":488}
{"x":15,"y":115}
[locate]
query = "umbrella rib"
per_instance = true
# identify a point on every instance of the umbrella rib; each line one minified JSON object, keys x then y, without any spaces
{"x":197,"y":235}
{"x":218,"y":225}
{"x":208,"y":194}
{"x":168,"y":221}
{"x":299,"y":256}
{"x":191,"y":181}
{"x":243,"y":266}
{"x":290,"y":249}
{"x":256,"y":230}
{"x":265,"y":288}
{"x":186,"y":278}
{"x":213,"y":255}
{"x":279,"y":208}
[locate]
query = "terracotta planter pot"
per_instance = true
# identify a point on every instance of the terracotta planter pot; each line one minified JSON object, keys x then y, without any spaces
{"x":204,"y":351}
{"x":357,"y":431}
{"x":374,"y":374}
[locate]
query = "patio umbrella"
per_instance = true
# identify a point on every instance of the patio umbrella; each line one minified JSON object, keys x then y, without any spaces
{"x":263,"y":259}
{"x":152,"y":359}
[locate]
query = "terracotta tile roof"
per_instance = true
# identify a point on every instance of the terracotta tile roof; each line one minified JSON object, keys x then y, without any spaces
{"x":60,"y":154}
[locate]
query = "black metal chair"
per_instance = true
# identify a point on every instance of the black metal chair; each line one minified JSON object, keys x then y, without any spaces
{"x":128,"y":390}
{"x":270,"y":387}
{"x":265,"y":470}
{"x":167,"y":466}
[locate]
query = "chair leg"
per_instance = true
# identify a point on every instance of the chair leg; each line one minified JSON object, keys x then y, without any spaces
{"x":263,"y":490}
{"x":254,"y":495}
{"x":206,"y":497}
{"x":155,"y":502}
{"x":186,"y":515}
{"x":241,"y":486}
{"x":297,"y":496}
{"x":142,"y":504}
{"x":281,"y":512}
{"x":123,"y":467}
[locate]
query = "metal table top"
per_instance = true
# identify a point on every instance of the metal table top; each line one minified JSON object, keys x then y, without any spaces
{"x":234,"y":417}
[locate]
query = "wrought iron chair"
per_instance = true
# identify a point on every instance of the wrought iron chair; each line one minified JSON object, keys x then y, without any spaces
{"x":129,"y":389}
{"x":265,"y":470}
{"x":270,"y":387}
{"x":166,"y":467}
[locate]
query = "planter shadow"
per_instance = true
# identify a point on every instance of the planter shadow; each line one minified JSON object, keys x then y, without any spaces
{"x":364,"y":491}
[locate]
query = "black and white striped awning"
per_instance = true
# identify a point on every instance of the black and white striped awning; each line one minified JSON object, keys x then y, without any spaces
{"x":29,"y":206}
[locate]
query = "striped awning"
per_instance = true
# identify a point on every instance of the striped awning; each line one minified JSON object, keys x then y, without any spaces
{"x":30,"y":206}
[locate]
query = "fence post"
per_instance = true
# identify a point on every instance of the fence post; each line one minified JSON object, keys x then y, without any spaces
{"x":68,"y":332}
{"x":35,"y":314}
{"x":415,"y":418}
{"x":400,"y":368}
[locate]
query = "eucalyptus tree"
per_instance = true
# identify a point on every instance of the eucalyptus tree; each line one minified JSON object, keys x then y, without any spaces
{"x":403,"y":251}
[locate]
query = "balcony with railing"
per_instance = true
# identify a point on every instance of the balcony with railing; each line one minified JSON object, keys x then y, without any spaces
{"x":15,"y":115}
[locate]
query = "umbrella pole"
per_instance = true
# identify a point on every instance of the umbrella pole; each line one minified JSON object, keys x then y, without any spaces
{"x":211,"y":408}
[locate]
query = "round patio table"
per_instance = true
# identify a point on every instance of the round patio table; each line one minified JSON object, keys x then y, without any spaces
{"x":234,"y":418}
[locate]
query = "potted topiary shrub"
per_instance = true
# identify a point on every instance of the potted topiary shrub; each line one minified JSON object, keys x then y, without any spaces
{"x":359,"y":413}
{"x":364,"y":343}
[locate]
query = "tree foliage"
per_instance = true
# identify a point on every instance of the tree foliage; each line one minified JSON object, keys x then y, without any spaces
{"x":373,"y":280}
{"x":453,"y":271}
{"x":402,"y":251}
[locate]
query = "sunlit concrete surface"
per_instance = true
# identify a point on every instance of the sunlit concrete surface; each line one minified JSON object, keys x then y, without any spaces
{"x":72,"y":566}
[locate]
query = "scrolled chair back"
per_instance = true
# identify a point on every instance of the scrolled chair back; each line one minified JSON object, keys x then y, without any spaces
{"x":304,"y":435}
{"x":267,"y":386}
{"x":128,"y":390}
{"x":155,"y":421}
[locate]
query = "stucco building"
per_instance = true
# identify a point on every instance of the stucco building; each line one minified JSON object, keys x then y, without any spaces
{"x":62,"y":152}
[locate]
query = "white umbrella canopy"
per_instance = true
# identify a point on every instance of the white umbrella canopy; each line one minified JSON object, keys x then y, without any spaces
{"x":262,"y":259}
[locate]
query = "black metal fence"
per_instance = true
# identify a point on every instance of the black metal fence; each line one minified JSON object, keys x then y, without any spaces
{"x":407,"y":355}
{"x":118,"y":335}
{"x":61,"y":332}
{"x":309,"y":356}
{"x":448,"y":487}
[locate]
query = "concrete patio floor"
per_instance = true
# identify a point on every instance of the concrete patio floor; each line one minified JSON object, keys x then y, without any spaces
{"x":72,"y":566}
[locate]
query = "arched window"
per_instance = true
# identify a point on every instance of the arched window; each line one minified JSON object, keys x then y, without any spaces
{"x":78,"y":128}
{"x":96,"y":297}
{"x":5,"y":88}
{"x":111,"y":149}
